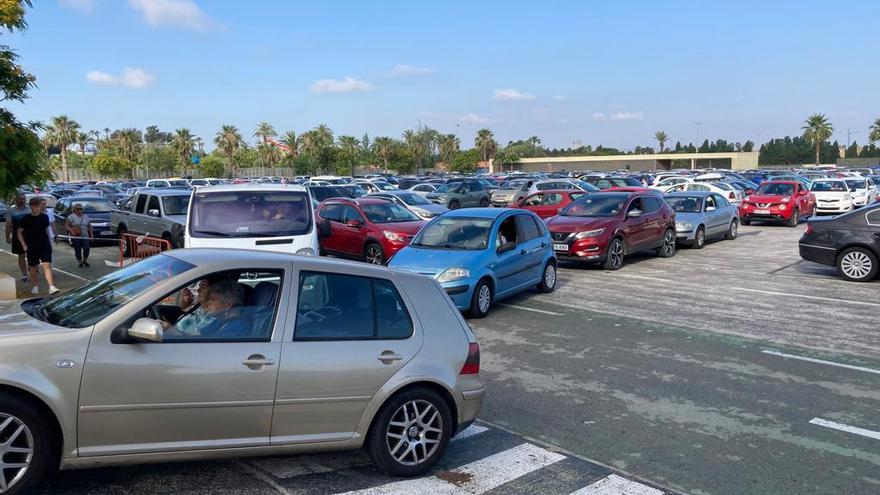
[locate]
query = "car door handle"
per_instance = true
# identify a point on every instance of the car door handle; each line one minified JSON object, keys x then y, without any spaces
{"x":257,"y":361}
{"x":389,"y":357}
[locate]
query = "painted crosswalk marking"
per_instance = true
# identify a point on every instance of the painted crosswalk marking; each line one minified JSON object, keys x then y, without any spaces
{"x":616,"y":485}
{"x":469,"y":432}
{"x":855,"y":430}
{"x":475,"y":478}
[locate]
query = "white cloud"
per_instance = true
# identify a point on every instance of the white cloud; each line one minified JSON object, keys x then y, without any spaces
{"x":512,"y":94}
{"x":473,"y":118}
{"x":618,"y":116}
{"x":181,"y":13}
{"x":130,"y":78}
{"x":598,"y":116}
{"x":410,"y":70}
{"x":347,"y":85}
{"x":84,"y":6}
{"x":560,"y":97}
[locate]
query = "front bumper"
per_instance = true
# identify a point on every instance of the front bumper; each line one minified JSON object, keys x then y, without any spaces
{"x":460,"y":291}
{"x":685,"y":234}
{"x":772,"y":212}
{"x":592,"y":249}
{"x":834,"y":208}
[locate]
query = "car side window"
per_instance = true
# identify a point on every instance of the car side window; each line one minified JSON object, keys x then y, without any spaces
{"x":507,"y":232}
{"x":348,"y":307}
{"x":526,"y":186}
{"x":534,"y":200}
{"x":697,"y":187}
{"x":153,"y":204}
{"x":651,"y":204}
{"x":59,"y":207}
{"x":710,"y":201}
{"x":636,"y":204}
{"x":332,"y":212}
{"x":720,"y":200}
{"x":141,"y":204}
{"x":351,"y":213}
{"x":604,"y":184}
{"x":475,"y":187}
{"x":526,"y":228}
{"x":551,"y":199}
{"x":873,"y":218}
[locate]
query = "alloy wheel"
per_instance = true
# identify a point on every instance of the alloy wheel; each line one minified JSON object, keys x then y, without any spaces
{"x":669,"y":243}
{"x":701,"y":238}
{"x":374,"y":255}
{"x":484,"y":298}
{"x":733,"y":229}
{"x":414,"y":432}
{"x":616,"y":253}
{"x":550,"y":276}
{"x":856,"y":264}
{"x":16,"y":450}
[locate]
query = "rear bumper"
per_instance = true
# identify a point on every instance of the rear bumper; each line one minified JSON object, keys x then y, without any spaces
{"x":818,"y":254}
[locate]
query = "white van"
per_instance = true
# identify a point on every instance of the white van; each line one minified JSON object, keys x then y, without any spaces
{"x":265,"y":217}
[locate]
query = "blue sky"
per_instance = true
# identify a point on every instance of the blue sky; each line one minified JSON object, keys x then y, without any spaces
{"x":597,"y":72}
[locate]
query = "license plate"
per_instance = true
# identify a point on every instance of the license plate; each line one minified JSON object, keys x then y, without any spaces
{"x":762,"y":212}
{"x":560,"y":247}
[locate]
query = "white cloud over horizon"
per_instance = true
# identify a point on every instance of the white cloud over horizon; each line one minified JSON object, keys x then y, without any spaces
{"x":84,"y":6}
{"x":180,"y":13}
{"x":410,"y":70}
{"x":473,"y":118}
{"x":511,"y":94}
{"x":346,"y":85}
{"x":623,"y":116}
{"x":130,"y":78}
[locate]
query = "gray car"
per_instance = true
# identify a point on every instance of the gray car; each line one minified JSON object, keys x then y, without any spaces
{"x":414,"y":202}
{"x":465,"y":194}
{"x":702,"y":215}
{"x":209,"y":353}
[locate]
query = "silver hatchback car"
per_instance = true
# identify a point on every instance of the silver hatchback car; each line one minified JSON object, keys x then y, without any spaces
{"x":205,"y":353}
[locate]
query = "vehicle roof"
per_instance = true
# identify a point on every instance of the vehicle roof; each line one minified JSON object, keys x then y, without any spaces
{"x":265,"y":187}
{"x":701,"y":194}
{"x":782,"y":181}
{"x":84,"y":197}
{"x":158,"y":191}
{"x":490,"y":213}
{"x":561,"y":191}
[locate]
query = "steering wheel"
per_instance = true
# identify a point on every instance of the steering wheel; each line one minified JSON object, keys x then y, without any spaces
{"x":154,"y":311}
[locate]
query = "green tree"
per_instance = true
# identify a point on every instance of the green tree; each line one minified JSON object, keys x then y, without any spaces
{"x":212,"y":166}
{"x":450,"y":145}
{"x":485,"y":144}
{"x":504,"y":156}
{"x":62,"y":132}
{"x":183,"y":143}
{"x":466,"y":161}
{"x":748,"y":146}
{"x":817,"y":129}
{"x":291,"y":142}
{"x":383,"y":147}
{"x":874,"y":131}
{"x":349,"y":148}
{"x":661,"y":138}
{"x":264,"y":132}
{"x":107,"y":164}
{"x":160,"y":159}
{"x":853,"y":150}
{"x":228,"y":140}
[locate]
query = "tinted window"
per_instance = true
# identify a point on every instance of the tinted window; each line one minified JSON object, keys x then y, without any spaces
{"x":250,"y":214}
{"x":720,"y":201}
{"x":175,"y":205}
{"x":475,"y":186}
{"x":153,"y":204}
{"x":526,"y":228}
{"x":651,"y":204}
{"x":347,"y":307}
{"x":552,"y":199}
{"x":332,"y":212}
{"x":874,"y":217}
{"x":710,"y":201}
{"x":141,"y":204}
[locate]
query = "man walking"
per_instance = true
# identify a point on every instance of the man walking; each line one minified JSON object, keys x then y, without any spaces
{"x":13,"y":218}
{"x":33,"y":234}
{"x":79,"y":227}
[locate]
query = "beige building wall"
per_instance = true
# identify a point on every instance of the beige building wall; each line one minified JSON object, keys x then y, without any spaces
{"x":665,"y":161}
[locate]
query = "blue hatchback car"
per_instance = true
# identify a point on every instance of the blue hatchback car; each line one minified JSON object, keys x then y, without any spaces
{"x":481,"y":255}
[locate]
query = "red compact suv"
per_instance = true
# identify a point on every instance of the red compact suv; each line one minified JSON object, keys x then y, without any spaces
{"x":547,"y":204}
{"x":604,"y":227}
{"x":779,"y":201}
{"x":367,"y":229}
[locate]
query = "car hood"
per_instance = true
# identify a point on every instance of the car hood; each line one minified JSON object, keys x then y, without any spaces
{"x":440,"y":194}
{"x":14,"y":321}
{"x":577,"y":224}
{"x":432,"y":262}
{"x":432,"y":208}
{"x":505,"y":192}
{"x":830,"y":194}
{"x":181,"y":219}
{"x":766,"y":198}
{"x":411,"y":228}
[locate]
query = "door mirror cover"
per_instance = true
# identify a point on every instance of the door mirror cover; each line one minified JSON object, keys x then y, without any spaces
{"x":802,"y":193}
{"x":710,"y":208}
{"x":146,"y":330}
{"x":633,"y":213}
{"x":153,"y":213}
{"x":354,"y":223}
{"x":507,"y":246}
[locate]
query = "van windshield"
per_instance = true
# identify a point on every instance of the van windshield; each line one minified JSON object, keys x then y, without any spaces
{"x":250,"y":214}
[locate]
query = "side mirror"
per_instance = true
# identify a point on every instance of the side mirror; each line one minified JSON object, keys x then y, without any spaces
{"x":710,"y":208}
{"x":153,"y":213}
{"x":146,"y":330}
{"x":633,"y":213}
{"x":354,"y":223}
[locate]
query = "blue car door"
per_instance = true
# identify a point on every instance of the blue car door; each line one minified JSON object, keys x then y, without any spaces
{"x":532,"y":246}
{"x":509,"y":264}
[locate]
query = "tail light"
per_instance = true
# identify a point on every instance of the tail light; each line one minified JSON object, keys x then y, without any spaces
{"x":472,"y":364}
{"x":809,"y":229}
{"x":731,"y":196}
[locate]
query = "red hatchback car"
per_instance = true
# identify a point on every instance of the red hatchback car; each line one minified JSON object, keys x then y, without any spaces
{"x":606,"y":226}
{"x":547,"y":204}
{"x":784,"y":201}
{"x":366,"y":229}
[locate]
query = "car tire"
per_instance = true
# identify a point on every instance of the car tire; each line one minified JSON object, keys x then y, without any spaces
{"x":548,"y":278}
{"x":699,"y":238}
{"x":667,"y":249}
{"x":409,"y":407}
{"x":484,"y":203}
{"x":123,"y":245}
{"x":616,"y":253}
{"x":732,"y":231}
{"x":373,"y":254}
{"x":36,"y":435}
{"x":858,"y":264}
{"x":481,"y":299}
{"x":795,"y":218}
{"x":454,"y":204}
{"x":170,"y":240}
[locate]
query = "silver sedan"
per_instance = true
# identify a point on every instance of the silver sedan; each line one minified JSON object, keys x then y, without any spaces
{"x":207,"y":353}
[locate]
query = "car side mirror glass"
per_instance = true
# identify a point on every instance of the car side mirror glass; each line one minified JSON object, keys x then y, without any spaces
{"x":353,"y":223}
{"x":507,"y":246}
{"x":710,"y":208}
{"x":146,"y":330}
{"x":634,"y":213}
{"x":153,"y":213}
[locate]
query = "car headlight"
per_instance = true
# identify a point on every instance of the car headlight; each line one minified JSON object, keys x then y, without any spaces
{"x":847,"y":197}
{"x":684,"y":226}
{"x":452,"y":274}
{"x":306,"y":251}
{"x":394,"y":236}
{"x":589,"y":233}
{"x":423,"y":212}
{"x":781,"y":207}
{"x":786,"y":199}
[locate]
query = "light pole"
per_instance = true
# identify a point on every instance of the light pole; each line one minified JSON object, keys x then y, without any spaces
{"x":698,"y":124}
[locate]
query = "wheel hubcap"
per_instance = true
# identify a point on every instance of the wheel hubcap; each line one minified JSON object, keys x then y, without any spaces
{"x":550,"y":277}
{"x":669,"y":243}
{"x":701,"y":238}
{"x":485,"y":298}
{"x":616,"y":253}
{"x":374,"y":256}
{"x":16,"y":450}
{"x":856,"y":264}
{"x":414,"y":432}
{"x":733,"y":229}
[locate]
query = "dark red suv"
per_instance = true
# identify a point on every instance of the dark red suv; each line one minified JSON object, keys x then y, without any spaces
{"x":367,"y":229}
{"x":606,"y":226}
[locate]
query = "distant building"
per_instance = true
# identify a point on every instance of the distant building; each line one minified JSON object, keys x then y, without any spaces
{"x":656,"y":161}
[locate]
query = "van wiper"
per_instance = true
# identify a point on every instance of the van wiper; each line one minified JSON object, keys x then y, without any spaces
{"x":214,"y":233}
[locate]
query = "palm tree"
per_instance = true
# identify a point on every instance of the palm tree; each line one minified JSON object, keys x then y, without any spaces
{"x":228,"y":139}
{"x":874,"y":131}
{"x":817,"y":129}
{"x":449,"y":145}
{"x":183,"y":144}
{"x":62,"y":132}
{"x":485,"y":142}
{"x":350,"y":147}
{"x":534,"y":142}
{"x":290,"y":140}
{"x":129,"y":142}
{"x":661,"y":138}
{"x":82,"y":140}
{"x":264,"y":132}
{"x":383,"y":147}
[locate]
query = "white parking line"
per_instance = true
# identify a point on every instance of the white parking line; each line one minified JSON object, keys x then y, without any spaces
{"x":642,"y":277}
{"x":54,"y":268}
{"x":469,"y":432}
{"x":475,"y":478}
{"x":855,"y":430}
{"x":804,"y":296}
{"x":821,"y":361}
{"x":543,"y":312}
{"x":616,"y":485}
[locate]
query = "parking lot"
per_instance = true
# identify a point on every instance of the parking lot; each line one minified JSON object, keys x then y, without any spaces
{"x":734,"y":369}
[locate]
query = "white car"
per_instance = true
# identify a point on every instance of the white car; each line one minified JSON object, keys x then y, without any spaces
{"x":670,"y":181}
{"x":727,"y":191}
{"x":832,"y":196}
{"x":863,"y":190}
{"x":663,"y":176}
{"x":167,"y":183}
{"x":263,"y":217}
{"x":424,"y":189}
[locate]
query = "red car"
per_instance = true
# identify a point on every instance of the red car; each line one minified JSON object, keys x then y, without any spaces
{"x":548,"y":203}
{"x":606,"y":226}
{"x":367,"y":229}
{"x":780,"y":201}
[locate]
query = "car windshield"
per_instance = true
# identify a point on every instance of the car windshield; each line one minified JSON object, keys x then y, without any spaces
{"x":388,"y":213}
{"x":854,"y":184}
{"x":175,"y":205}
{"x":776,"y":189}
{"x":95,"y":205}
{"x":413,"y":199}
{"x":596,"y":205}
{"x":96,"y":300}
{"x":384,"y":186}
{"x":250,"y":214}
{"x":455,"y":233}
{"x":586,"y":186}
{"x":513,"y":184}
{"x":685,"y":204}
{"x":178,"y":183}
{"x":447,"y":188}
{"x":829,"y":186}
{"x":624,"y":182}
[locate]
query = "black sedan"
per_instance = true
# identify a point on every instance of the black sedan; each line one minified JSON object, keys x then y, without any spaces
{"x":96,"y":207}
{"x":851,"y":242}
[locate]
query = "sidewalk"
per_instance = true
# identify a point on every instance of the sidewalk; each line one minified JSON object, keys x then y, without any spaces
{"x":9,"y":268}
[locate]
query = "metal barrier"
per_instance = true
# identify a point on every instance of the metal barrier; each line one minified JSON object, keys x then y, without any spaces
{"x":134,"y":248}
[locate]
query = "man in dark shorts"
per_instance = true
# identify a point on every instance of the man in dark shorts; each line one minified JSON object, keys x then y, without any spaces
{"x":13,"y":217}
{"x":33,"y":234}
